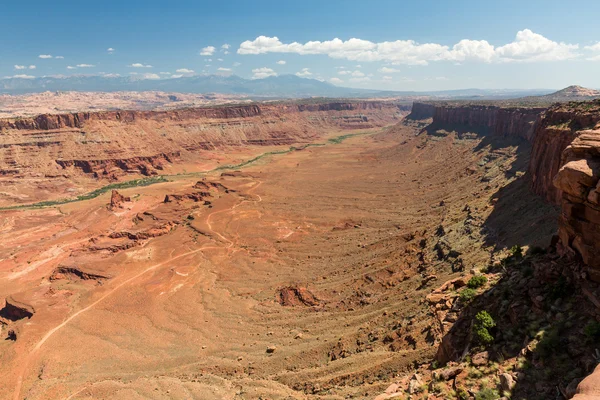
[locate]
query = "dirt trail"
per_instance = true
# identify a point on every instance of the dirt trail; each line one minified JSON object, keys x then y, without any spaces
{"x":40,"y":343}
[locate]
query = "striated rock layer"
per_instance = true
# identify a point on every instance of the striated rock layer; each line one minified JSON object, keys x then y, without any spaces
{"x":112,"y":143}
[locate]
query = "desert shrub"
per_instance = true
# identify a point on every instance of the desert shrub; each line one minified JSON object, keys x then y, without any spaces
{"x":467,"y":294}
{"x":483,"y":323}
{"x":477,"y":281}
{"x":487,"y":394}
{"x":592,"y":331}
{"x":516,"y":251}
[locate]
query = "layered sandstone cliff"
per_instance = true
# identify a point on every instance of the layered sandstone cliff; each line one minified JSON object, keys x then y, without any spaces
{"x":109,"y":144}
{"x":502,"y":121}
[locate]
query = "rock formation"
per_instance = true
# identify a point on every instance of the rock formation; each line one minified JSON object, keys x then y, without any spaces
{"x":117,"y":200}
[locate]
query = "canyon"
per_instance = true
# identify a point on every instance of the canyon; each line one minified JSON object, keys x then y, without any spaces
{"x":317,"y":249}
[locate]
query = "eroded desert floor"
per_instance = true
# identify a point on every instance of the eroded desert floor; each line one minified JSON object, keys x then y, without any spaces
{"x":302,"y":275}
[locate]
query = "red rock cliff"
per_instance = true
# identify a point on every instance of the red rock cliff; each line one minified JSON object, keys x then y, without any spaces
{"x":503,"y":121}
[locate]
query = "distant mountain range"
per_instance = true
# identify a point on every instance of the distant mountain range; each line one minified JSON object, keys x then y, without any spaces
{"x":285,"y":86}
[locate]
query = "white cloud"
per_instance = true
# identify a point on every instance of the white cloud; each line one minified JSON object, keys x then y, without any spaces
{"x":146,"y":75}
{"x":165,"y":73}
{"x":139,"y":65}
{"x":236,"y":64}
{"x":20,"y":67}
{"x":224,"y":69}
{"x":207,"y":51}
{"x":226,"y":46}
{"x":387,"y":70}
{"x":176,"y":76}
{"x":60,"y":57}
{"x":85,"y":66}
{"x":219,"y":59}
{"x":357,"y":74}
{"x":32,"y":67}
{"x":71,"y":67}
{"x":527,"y":47}
{"x":44,"y":56}
{"x":111,"y":75}
{"x":594,"y":48}
{"x":387,"y":78}
{"x":359,"y":66}
{"x":344,"y":72}
{"x":185,"y":71}
{"x":21,"y":76}
{"x":225,"y":52}
{"x":261,"y":73}
{"x":335,"y":80}
{"x":281,"y":62}
{"x":304,"y":73}
{"x":110,"y":50}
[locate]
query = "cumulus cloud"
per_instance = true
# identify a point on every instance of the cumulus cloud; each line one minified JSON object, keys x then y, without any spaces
{"x":360,"y":79}
{"x":281,"y":62}
{"x":165,"y":73}
{"x":387,"y":70}
{"x":207,"y":51}
{"x":71,"y":67}
{"x":335,"y":80}
{"x":236,"y":64}
{"x":184,"y":71}
{"x":224,"y":69}
{"x":527,"y":47}
{"x":304,"y":73}
{"x":219,"y":59}
{"x":139,"y":65}
{"x":226,"y":46}
{"x":24,"y":67}
{"x":261,"y":73}
{"x":44,"y":56}
{"x":60,"y":57}
{"x":176,"y":76}
{"x":110,"y":50}
{"x":387,"y":78}
{"x":85,"y":66}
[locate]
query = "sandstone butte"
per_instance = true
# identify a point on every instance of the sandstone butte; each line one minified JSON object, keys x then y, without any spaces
{"x":320,"y":250}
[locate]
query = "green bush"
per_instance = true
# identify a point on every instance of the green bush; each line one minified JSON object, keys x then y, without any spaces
{"x":477,"y":281}
{"x":483,"y":323}
{"x":487,"y":394}
{"x":467,"y":294}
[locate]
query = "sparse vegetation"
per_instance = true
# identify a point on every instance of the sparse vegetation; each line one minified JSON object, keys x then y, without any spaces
{"x":477,"y":281}
{"x":483,"y":323}
{"x":468,"y":294}
{"x":487,"y":394}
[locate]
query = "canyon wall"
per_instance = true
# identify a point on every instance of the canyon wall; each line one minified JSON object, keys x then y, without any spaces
{"x":112,"y":143}
{"x":502,"y":121}
{"x":421,"y":111}
{"x":564,"y":165}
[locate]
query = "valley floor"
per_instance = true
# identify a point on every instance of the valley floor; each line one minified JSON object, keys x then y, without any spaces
{"x":304,"y":275}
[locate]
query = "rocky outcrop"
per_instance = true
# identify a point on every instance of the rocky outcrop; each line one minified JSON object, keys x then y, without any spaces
{"x":557,"y":130}
{"x":578,"y":180}
{"x":15,"y":310}
{"x":147,"y":165}
{"x":117,"y":200}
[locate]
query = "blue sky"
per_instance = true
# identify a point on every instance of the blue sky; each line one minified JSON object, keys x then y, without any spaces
{"x":400,"y":45}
